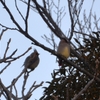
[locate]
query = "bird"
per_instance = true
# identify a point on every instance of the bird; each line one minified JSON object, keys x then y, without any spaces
{"x":32,"y":61}
{"x":63,"y":50}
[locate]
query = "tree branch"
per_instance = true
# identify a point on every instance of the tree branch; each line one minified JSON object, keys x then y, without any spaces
{"x":11,"y":16}
{"x":27,"y":14}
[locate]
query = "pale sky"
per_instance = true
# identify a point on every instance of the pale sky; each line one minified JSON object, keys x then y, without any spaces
{"x":37,"y":28}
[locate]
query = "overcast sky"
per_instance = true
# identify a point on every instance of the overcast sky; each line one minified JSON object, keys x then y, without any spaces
{"x":37,"y":28}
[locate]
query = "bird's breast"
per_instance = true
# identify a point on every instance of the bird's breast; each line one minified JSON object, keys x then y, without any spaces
{"x":66,"y":52}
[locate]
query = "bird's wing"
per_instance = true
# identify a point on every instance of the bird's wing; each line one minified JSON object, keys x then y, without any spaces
{"x":32,"y":61}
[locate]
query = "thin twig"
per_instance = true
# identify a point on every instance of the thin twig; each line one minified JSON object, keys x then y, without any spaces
{"x":24,"y":83}
{"x":8,"y":27}
{"x":32,"y":88}
{"x":18,"y":10}
{"x":16,"y":91}
{"x":2,"y":33}
{"x":7,"y":48}
{"x":27,"y":15}
{"x":5,"y":67}
{"x":10,"y":58}
{"x":11,"y":16}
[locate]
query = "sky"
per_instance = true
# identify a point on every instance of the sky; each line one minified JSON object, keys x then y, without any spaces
{"x":37,"y":28}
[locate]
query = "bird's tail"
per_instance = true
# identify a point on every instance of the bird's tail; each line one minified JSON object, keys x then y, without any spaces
{"x":60,"y":62}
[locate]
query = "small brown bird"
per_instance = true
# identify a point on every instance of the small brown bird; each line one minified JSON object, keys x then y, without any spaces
{"x":32,"y":61}
{"x":63,"y":49}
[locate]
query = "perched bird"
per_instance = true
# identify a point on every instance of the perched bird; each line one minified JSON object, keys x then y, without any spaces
{"x":63,"y":50}
{"x":32,"y":61}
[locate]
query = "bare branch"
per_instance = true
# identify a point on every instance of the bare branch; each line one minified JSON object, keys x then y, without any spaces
{"x":74,"y":13}
{"x":71,"y":18}
{"x":81,"y":33}
{"x":16,"y":91}
{"x":2,"y":33}
{"x":8,"y":27}
{"x":5,"y":67}
{"x":24,"y":83}
{"x":27,"y":14}
{"x":53,"y":41}
{"x":36,"y":86}
{"x":31,"y":6}
{"x":32,"y":88}
{"x":8,"y":95}
{"x":19,"y":10}
{"x":44,"y":3}
{"x":7,"y":48}
{"x":48,"y":19}
{"x":16,"y":79}
{"x":11,"y":16}
{"x":10,"y":58}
